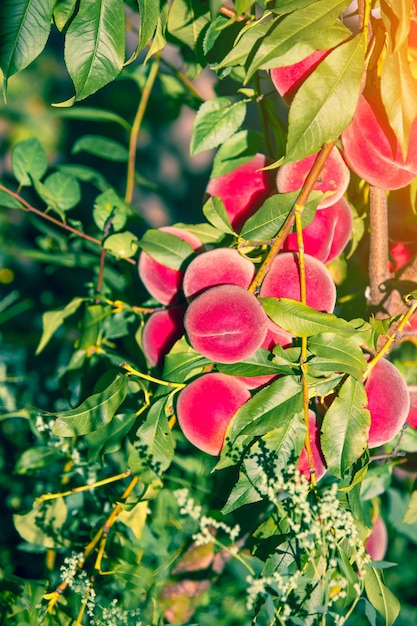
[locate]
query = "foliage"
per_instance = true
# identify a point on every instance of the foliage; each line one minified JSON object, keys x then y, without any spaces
{"x":109,"y":515}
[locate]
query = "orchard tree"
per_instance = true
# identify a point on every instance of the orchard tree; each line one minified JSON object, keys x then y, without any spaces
{"x":212,"y":420}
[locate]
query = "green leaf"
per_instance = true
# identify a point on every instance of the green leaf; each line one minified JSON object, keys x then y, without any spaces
{"x":29,"y":161}
{"x":63,"y":12}
{"x":345,"y":427}
{"x":153,"y":448}
{"x":337,"y":354}
{"x":381,"y":597}
{"x":258,"y":364}
{"x":108,"y":439}
{"x":8,"y":201}
{"x":96,"y":411}
{"x":122,"y":245}
{"x":42,"y":525}
{"x":272,"y":215}
{"x":93,"y":115}
{"x":52,"y":320}
{"x":95,"y":45}
{"x":110,"y":209}
{"x":62,"y":191}
{"x":101,"y":147}
{"x":236,"y":151}
{"x":314,"y":27}
{"x":410,"y":516}
{"x":399,"y":94}
{"x":166,"y":248}
{"x":86,"y":174}
{"x":303,"y":321}
{"x":36,"y":458}
{"x":326,"y":101}
{"x":376,"y":482}
{"x":216,"y":214}
{"x":216,"y":120}
{"x":149,"y":14}
{"x":24,"y":31}
{"x":186,"y":20}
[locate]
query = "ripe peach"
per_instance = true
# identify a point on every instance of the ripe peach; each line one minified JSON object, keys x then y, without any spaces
{"x":318,"y":459}
{"x":388,"y":402}
{"x":327,"y":235}
{"x":401,"y":253}
{"x":289,"y":78}
{"x":162,"y":329}
{"x":412,"y":414}
{"x":283,"y":281}
{"x":254,"y":382}
{"x":377,"y":542}
{"x":244,"y":189}
{"x":334,"y":177}
{"x":276,"y":335}
{"x":164,"y":283}
{"x":226,"y":323}
{"x":206,"y":406}
{"x":372,"y":150}
{"x":217,"y":267}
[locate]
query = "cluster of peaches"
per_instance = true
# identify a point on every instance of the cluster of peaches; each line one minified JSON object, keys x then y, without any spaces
{"x":211,"y":301}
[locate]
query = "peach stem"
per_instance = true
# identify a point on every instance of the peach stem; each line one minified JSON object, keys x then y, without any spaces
{"x":300,"y":203}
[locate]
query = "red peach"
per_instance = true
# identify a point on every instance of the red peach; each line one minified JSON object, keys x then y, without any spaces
{"x":162,"y":329}
{"x":244,"y":189}
{"x":334,"y":177}
{"x":289,"y":78}
{"x":412,"y":414}
{"x":226,"y":323}
{"x":318,"y":459}
{"x":276,"y":335}
{"x":401,"y":253}
{"x":283,"y":281}
{"x":217,"y":267}
{"x":377,"y":542}
{"x":164,"y":283}
{"x":372,"y":150}
{"x":388,"y":402}
{"x":254,"y":382}
{"x":327,"y":235}
{"x":206,"y":406}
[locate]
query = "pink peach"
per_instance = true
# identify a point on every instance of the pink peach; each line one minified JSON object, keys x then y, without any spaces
{"x":162,"y":329}
{"x":377,"y":542}
{"x":288,"y":79}
{"x":206,"y":406}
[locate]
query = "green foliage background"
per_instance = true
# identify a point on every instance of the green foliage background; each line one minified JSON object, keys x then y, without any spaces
{"x":63,"y":340}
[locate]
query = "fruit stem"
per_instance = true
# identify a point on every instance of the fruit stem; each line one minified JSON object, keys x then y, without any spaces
{"x":390,"y":339}
{"x":379,"y":251}
{"x":300,"y":203}
{"x":131,"y":371}
{"x":98,"y":483}
{"x":136,"y":126}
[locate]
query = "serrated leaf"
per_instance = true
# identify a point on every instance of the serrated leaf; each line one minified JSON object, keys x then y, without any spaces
{"x":63,"y":12}
{"x":326,"y":101}
{"x":381,"y":597}
{"x":166,"y":248}
{"x":94,"y":412}
{"x":216,"y":120}
{"x":291,"y":39}
{"x":216,"y":214}
{"x":345,"y":427}
{"x":399,"y":94}
{"x":101,"y":147}
{"x":52,"y":320}
{"x":122,"y":245}
{"x":24,"y":31}
{"x":271,"y":216}
{"x":149,"y":14}
{"x":153,"y":447}
{"x":303,"y":321}
{"x":95,"y":45}
{"x":29,"y":161}
{"x":342,"y":354}
{"x":258,"y":364}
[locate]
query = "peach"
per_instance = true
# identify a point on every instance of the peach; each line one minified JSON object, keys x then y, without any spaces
{"x":276,"y":335}
{"x":217,"y":267}
{"x":388,"y":402}
{"x":254,"y":382}
{"x":372,"y":150}
{"x":412,"y":414}
{"x":206,"y":406}
{"x":334,"y":177}
{"x":401,"y":253}
{"x":244,"y":189}
{"x":162,"y":329}
{"x":283,"y":281}
{"x":327,"y":235}
{"x":288,"y":78}
{"x":377,"y":542}
{"x":165,"y":283}
{"x":318,"y":458}
{"x":226,"y":323}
